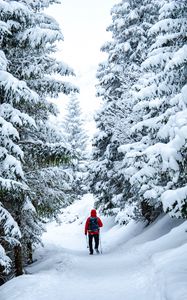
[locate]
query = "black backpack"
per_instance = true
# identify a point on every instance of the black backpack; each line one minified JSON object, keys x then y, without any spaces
{"x":93,"y":224}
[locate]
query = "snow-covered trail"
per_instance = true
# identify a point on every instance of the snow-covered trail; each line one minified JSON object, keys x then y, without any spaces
{"x":65,"y":271}
{"x":77,"y":277}
{"x":73,"y":274}
{"x":111,"y":277}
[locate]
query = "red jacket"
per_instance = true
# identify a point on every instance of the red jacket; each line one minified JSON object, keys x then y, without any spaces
{"x":94,"y":215}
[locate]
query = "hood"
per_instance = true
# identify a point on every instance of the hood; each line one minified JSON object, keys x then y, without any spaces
{"x":93,"y":213}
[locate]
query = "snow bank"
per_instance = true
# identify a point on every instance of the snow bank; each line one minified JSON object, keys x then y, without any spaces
{"x":171,"y":273}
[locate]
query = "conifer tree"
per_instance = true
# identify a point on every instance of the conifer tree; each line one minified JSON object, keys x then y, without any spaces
{"x":158,"y":174}
{"x":12,"y":179}
{"x":76,"y":138}
{"x":75,"y":134}
{"x":117,"y":77}
{"x":27,"y":65}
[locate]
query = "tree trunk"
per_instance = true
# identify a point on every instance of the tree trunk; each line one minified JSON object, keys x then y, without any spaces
{"x":2,"y":275}
{"x":18,"y":260}
{"x":29,"y":253}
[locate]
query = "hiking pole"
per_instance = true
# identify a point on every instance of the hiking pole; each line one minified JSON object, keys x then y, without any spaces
{"x":100,"y":243}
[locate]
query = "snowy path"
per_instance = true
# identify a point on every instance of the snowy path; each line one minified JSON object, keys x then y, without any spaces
{"x":110,"y":278}
{"x":106,"y":276}
{"x":70,"y":275}
{"x":77,"y":277}
{"x":65,"y":271}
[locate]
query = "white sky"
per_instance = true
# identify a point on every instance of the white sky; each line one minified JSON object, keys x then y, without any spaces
{"x":83,"y":24}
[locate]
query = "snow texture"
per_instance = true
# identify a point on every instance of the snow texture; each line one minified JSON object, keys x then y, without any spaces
{"x":137,"y":262}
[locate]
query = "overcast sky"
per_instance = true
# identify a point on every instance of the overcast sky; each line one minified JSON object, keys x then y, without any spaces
{"x":83,"y":23}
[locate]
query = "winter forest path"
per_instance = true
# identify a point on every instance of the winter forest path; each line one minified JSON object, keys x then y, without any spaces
{"x":65,"y":271}
{"x":73,"y":274}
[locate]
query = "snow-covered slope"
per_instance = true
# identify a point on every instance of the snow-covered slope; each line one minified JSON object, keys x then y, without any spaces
{"x":137,"y":263}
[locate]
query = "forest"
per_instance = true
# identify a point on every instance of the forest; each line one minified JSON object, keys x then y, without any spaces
{"x":138,"y":166}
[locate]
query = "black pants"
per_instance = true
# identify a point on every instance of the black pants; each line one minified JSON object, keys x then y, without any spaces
{"x":96,"y":240}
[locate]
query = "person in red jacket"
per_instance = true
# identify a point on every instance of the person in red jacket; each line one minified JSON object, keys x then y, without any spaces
{"x":92,"y":227}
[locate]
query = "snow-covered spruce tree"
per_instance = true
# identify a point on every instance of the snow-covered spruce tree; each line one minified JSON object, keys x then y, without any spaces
{"x":12,"y":179}
{"x":111,"y":87}
{"x":74,"y":133}
{"x":27,"y":45}
{"x":158,"y":172}
{"x":76,"y":138}
{"x":126,"y":51}
{"x":50,"y":178}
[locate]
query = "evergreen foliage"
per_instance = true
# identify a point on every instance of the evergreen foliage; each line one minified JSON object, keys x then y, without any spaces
{"x":74,"y":132}
{"x":117,"y":76}
{"x":76,"y":138}
{"x":162,"y":101}
{"x":27,"y":69}
{"x":139,"y":150}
